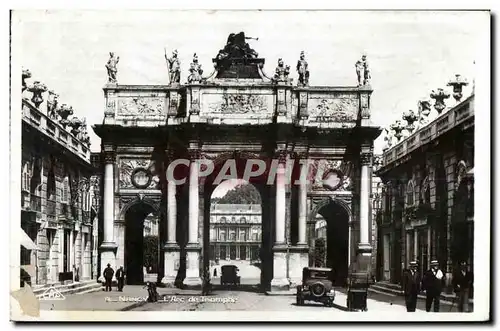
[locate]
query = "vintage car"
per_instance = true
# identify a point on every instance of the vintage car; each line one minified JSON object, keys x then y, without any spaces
{"x":317,"y":285}
{"x":229,"y":275}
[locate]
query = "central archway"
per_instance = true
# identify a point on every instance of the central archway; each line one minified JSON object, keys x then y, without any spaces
{"x":257,"y":250}
{"x":331,"y":236}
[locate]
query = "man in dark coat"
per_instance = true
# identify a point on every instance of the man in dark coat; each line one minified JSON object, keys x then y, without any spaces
{"x":433,"y":283}
{"x":108,"y":276}
{"x":411,"y":286}
{"x":462,"y":283}
{"x":120,"y":278}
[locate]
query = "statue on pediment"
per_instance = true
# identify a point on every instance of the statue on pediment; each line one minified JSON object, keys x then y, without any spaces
{"x":174,"y":67}
{"x":111,"y":67}
{"x":237,"y":47}
{"x":302,"y":69}
{"x":363,"y":71}
{"x":282,"y":72}
{"x":195,"y":71}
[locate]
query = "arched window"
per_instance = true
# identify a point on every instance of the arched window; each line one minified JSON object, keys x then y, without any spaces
{"x":410,"y":193}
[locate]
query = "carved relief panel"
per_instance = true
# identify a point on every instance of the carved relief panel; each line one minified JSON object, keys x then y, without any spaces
{"x":136,"y":174}
{"x":330,"y":175}
{"x":141,"y":105}
{"x":237,"y":104}
{"x":339,"y":108}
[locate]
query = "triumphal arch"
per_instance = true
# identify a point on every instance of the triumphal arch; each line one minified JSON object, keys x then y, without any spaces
{"x":307,"y":149}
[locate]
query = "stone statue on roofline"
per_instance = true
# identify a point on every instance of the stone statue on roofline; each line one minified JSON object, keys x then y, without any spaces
{"x":111,"y":67}
{"x":363,"y":71}
{"x":174,"y":67}
{"x":282,"y":72}
{"x":302,"y":69}
{"x":237,"y":47}
{"x":195,"y":71}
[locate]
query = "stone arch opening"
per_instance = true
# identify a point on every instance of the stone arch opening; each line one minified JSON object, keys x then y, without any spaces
{"x":135,"y":215}
{"x":261,"y":257}
{"x":331,"y":233}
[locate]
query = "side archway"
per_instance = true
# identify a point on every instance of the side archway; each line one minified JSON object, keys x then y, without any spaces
{"x":332,"y":245}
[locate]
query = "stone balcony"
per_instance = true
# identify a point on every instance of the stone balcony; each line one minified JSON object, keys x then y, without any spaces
{"x":460,"y":114}
{"x":237,"y":102}
{"x":54,"y":131}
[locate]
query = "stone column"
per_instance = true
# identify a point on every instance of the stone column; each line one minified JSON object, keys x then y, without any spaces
{"x":171,"y":248}
{"x":415,"y":244}
{"x":193,"y":248}
{"x":108,"y":246}
{"x":60,"y":261}
{"x":364,"y":251}
{"x":280,"y":248}
{"x":72,"y":253}
{"x":299,"y":254}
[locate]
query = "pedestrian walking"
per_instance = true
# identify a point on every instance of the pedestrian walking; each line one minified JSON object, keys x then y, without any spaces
{"x":108,"y":277}
{"x":432,"y":283}
{"x":120,"y":278}
{"x":411,"y":286}
{"x":462,"y":283}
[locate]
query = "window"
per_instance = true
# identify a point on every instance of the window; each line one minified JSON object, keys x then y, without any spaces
{"x":232,"y":236}
{"x":233,"y":219}
{"x":222,"y":219}
{"x":242,"y":235}
{"x":25,"y":178}
{"x":222,"y":236}
{"x":243,"y":220}
{"x":255,"y":236}
{"x":410,"y":193}
{"x":65,"y":190}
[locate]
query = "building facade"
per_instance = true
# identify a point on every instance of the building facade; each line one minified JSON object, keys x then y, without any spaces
{"x":428,"y":189}
{"x":237,"y":114}
{"x":235,"y":232}
{"x":56,"y":190}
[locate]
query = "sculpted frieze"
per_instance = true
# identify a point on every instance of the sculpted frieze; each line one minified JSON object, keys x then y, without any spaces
{"x":140,"y":106}
{"x":238,"y":103}
{"x":337,"y":110}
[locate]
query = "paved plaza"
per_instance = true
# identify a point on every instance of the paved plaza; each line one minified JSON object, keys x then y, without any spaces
{"x":244,"y":298}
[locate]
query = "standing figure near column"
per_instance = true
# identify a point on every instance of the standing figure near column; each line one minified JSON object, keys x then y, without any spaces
{"x":111,"y":67}
{"x":120,"y":278}
{"x":174,"y":67}
{"x":411,"y":286}
{"x":432,"y":283}
{"x":462,"y":283}
{"x":108,"y":276}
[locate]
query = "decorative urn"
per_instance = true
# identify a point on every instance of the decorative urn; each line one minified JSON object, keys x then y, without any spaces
{"x":75,"y":124}
{"x":26,"y":75}
{"x":439,"y":96}
{"x":410,"y":117}
{"x":398,"y":128}
{"x":37,"y":89}
{"x":458,"y":83}
{"x":64,"y":112}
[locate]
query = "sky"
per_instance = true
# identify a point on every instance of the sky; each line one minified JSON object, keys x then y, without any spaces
{"x":410,"y":53}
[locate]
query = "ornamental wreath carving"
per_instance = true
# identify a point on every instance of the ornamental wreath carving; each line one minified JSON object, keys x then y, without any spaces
{"x":136,"y":173}
{"x":239,"y":103}
{"x":338,"y":110}
{"x":330,"y":174}
{"x":140,"y":106}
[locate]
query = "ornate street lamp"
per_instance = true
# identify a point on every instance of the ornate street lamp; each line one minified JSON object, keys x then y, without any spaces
{"x":37,"y":89}
{"x":398,"y":128}
{"x":439,"y":96}
{"x":410,"y":117}
{"x":458,"y":83}
{"x":64,"y":111}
